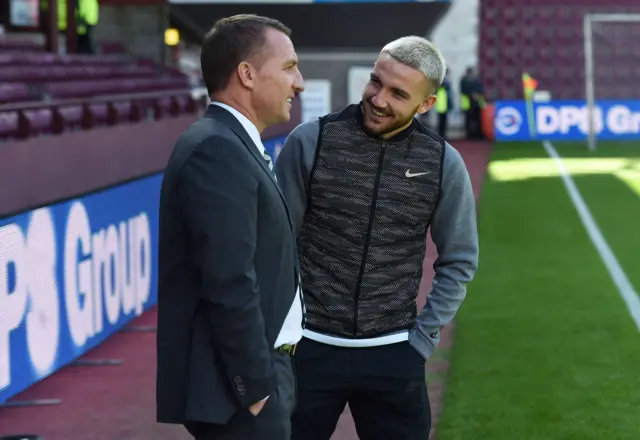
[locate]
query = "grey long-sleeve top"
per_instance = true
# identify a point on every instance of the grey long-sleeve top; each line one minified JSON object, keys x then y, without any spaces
{"x":453,"y":229}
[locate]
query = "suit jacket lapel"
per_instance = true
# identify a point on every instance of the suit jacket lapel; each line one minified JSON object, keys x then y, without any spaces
{"x":217,"y":112}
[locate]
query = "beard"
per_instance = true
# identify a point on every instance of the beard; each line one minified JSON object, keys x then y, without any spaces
{"x":394,"y":123}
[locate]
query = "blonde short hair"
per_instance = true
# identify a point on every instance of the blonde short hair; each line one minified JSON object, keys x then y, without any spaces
{"x":420,"y":54}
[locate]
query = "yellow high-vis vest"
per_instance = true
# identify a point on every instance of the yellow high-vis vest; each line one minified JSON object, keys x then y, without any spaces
{"x":442,"y":103}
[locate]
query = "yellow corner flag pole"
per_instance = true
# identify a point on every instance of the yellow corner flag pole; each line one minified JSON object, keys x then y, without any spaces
{"x":529,"y":87}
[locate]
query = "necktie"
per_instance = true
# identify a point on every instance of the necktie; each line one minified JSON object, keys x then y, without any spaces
{"x":267,"y":158}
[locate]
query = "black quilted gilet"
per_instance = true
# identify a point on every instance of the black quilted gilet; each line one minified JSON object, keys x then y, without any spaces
{"x":363,"y":241}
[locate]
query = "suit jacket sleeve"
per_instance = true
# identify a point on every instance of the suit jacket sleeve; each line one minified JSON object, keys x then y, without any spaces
{"x":220,"y":205}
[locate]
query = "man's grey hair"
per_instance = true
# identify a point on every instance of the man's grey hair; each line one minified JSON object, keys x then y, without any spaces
{"x":420,"y":54}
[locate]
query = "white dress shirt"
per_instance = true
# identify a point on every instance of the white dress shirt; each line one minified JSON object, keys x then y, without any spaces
{"x":291,"y":331}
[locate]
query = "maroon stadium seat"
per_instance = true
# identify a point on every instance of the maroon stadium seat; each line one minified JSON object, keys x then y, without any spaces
{"x":36,"y":122}
{"x":8,"y":125}
{"x":146,"y":108}
{"x":164,"y":107}
{"x":123,"y":112}
{"x":14,"y":92}
{"x":97,"y":115}
{"x":68,"y":118}
{"x":554,"y":31}
{"x":81,"y":89}
{"x":50,"y":59}
{"x":111,"y":47}
{"x":185,"y":104}
{"x":20,"y":46}
{"x":29,"y":74}
{"x":36,"y":74}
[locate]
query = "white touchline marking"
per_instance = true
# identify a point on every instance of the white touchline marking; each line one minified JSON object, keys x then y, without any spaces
{"x":620,"y":279}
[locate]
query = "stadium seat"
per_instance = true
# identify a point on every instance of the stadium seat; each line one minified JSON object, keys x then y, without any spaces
{"x":96,"y":115}
{"x":123,"y":112}
{"x":35,"y":122}
{"x":8,"y":125}
{"x":20,"y":46}
{"x":554,"y":31}
{"x":185,"y":104}
{"x":80,"y":89}
{"x":68,"y":118}
{"x":164,"y":107}
{"x":111,"y":47}
{"x":34,"y":74}
{"x":29,"y":74}
{"x":146,"y":108}
{"x":15,"y":92}
{"x":50,"y":59}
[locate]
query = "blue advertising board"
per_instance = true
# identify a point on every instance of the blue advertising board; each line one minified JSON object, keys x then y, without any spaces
{"x":73,"y":273}
{"x":566,"y":120}
{"x":273,"y":146}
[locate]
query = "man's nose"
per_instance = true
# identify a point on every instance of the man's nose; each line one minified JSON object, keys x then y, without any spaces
{"x":298,"y":84}
{"x":379,"y":101}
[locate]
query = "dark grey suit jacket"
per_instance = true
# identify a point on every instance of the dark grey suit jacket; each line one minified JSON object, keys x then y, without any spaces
{"x":227,"y":273}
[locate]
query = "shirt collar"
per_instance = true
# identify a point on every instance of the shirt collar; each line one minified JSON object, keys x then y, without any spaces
{"x":249,"y":126}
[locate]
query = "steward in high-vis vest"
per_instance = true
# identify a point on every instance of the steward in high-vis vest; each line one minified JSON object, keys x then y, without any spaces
{"x":472,"y":103}
{"x":87,"y":14}
{"x":444,"y":104}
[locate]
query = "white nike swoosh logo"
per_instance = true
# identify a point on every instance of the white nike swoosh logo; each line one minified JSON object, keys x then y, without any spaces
{"x":409,"y":174}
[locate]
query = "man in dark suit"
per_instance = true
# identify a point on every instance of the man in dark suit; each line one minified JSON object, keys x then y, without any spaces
{"x":229,"y":307}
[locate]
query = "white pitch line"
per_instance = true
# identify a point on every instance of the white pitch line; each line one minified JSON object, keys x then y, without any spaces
{"x":620,"y":279}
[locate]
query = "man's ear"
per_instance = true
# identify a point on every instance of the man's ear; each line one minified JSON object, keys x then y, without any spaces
{"x":246,"y":75}
{"x":427,"y":104}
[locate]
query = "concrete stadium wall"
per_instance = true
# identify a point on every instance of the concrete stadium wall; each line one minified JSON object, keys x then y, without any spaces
{"x":334,"y":66}
{"x":140,"y":28}
{"x":457,"y":36}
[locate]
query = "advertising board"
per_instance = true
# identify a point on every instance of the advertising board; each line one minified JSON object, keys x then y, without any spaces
{"x":71,"y":274}
{"x":566,"y":120}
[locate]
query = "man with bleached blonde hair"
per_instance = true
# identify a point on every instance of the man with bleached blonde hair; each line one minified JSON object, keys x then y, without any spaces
{"x":363,"y":186}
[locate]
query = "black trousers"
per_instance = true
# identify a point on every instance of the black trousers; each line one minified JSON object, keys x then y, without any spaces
{"x":468,"y":124}
{"x":85,"y":41}
{"x":384,"y":386}
{"x":272,"y":423}
{"x":473,"y":122}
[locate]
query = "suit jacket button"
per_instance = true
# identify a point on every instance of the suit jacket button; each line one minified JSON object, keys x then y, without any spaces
{"x":239,"y":385}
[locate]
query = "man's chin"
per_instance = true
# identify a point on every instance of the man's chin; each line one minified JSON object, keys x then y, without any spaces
{"x":281,"y":119}
{"x":286,"y":114}
{"x":376,"y":128}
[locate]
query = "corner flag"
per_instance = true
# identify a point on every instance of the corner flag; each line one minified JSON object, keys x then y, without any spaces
{"x":529,"y":87}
